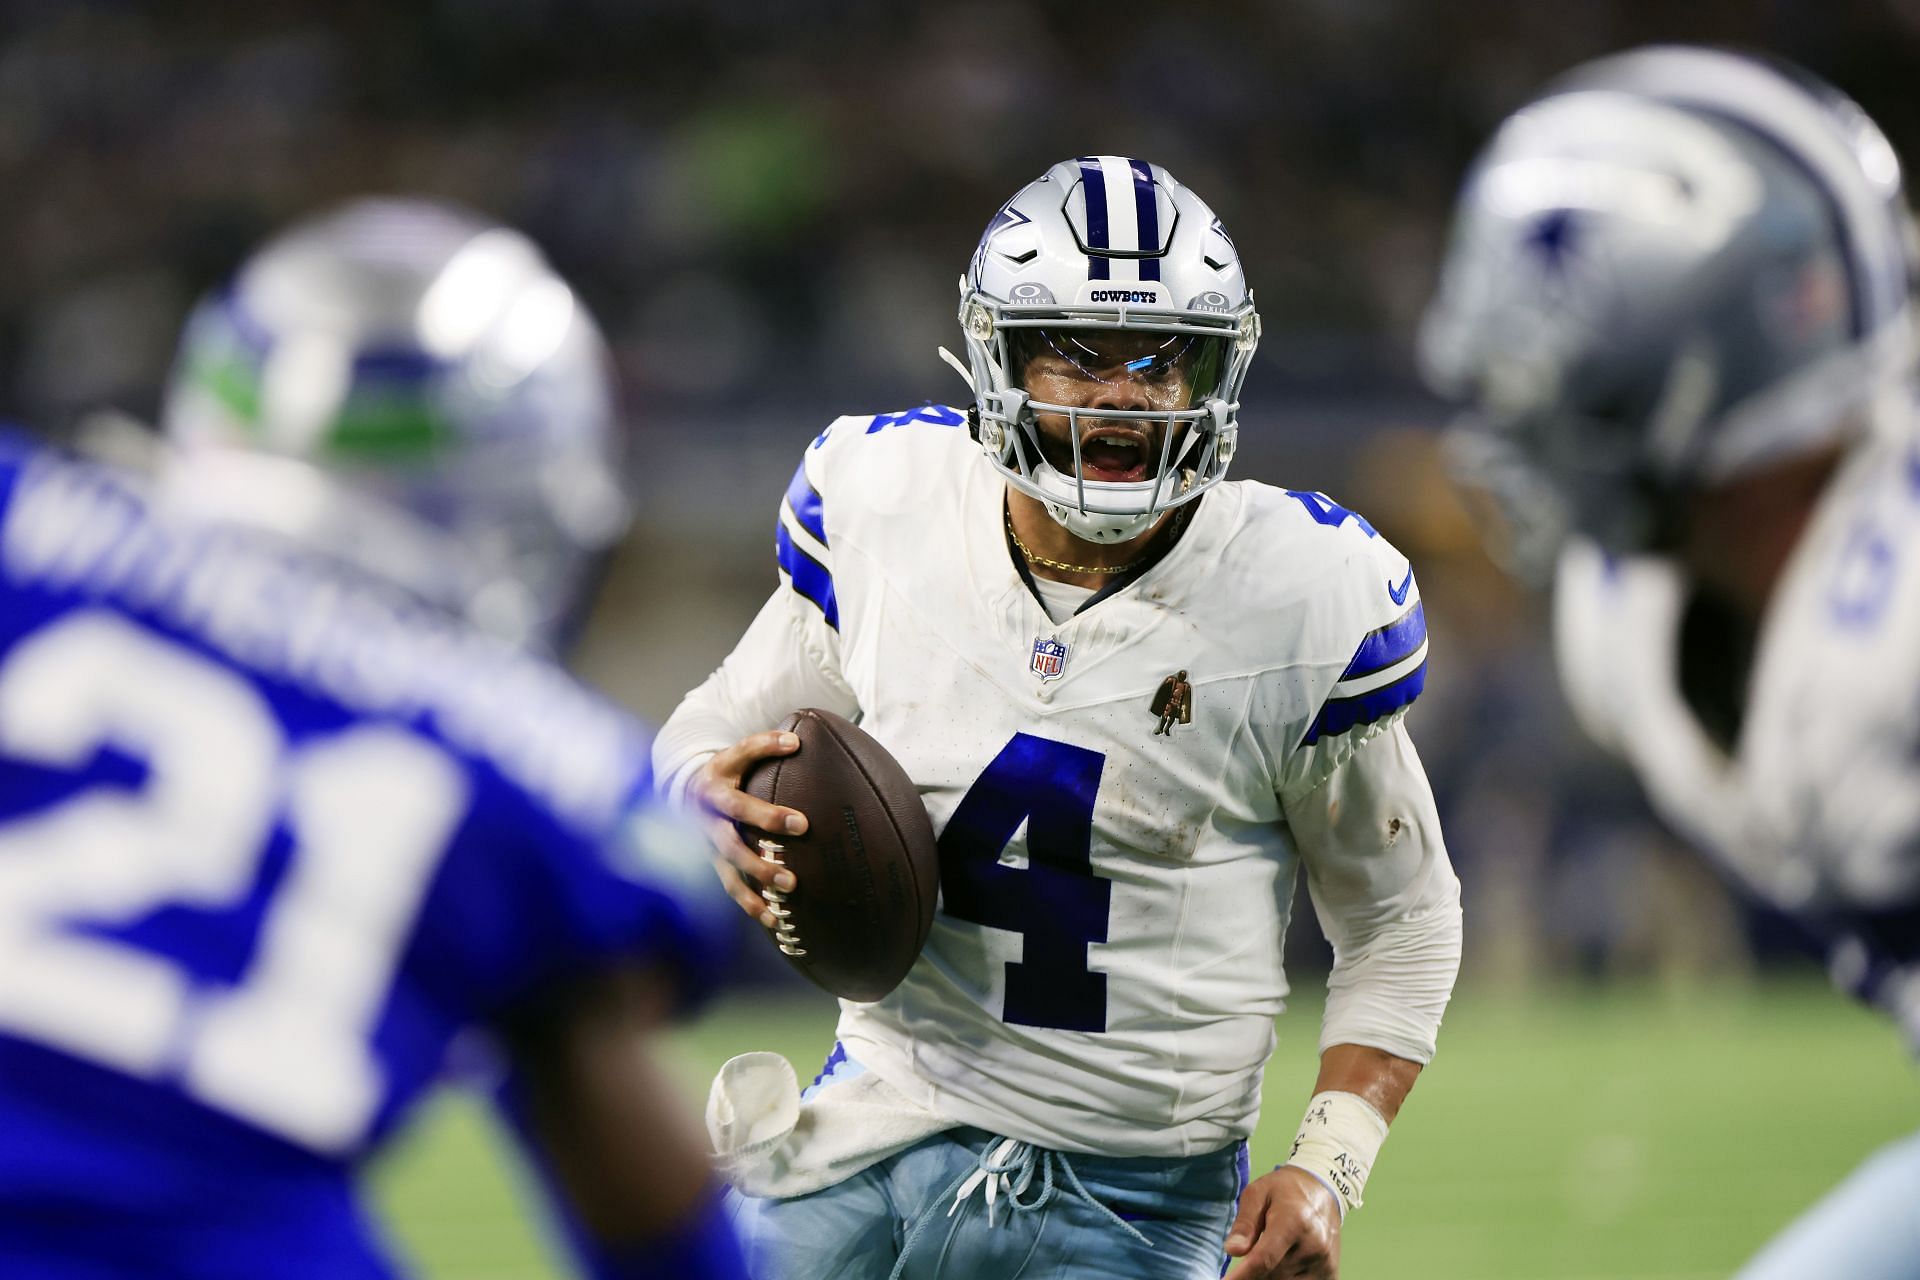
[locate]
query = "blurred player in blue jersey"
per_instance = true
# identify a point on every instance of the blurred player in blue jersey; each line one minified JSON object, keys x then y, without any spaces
{"x":286,"y":810}
{"x":1676,"y":307}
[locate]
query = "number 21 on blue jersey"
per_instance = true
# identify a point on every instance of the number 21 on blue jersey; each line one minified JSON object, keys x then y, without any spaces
{"x":369,"y":809}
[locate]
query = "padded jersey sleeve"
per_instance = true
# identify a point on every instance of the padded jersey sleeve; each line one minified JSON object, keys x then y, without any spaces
{"x":1373,"y":645}
{"x":789,"y":656}
{"x":1357,"y":801}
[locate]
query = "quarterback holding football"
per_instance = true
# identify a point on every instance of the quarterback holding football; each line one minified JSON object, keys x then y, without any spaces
{"x":1009,"y":598}
{"x":1677,"y":312}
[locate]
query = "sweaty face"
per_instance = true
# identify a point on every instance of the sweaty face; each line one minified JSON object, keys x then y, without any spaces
{"x":1099,"y":369}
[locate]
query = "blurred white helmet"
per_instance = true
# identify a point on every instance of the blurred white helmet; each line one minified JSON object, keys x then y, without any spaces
{"x":410,"y":388}
{"x":1675,"y":266}
{"x":1108,"y":243}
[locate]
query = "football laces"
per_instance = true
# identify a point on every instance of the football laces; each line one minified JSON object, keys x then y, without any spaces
{"x":784,"y":933}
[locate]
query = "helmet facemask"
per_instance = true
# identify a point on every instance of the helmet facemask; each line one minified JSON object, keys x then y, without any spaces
{"x":1106,"y":472}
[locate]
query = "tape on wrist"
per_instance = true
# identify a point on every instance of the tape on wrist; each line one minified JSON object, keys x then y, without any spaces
{"x":1338,"y":1141}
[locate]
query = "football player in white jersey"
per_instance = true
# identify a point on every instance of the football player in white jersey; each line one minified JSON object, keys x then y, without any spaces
{"x":1065,"y":1082}
{"x":1677,"y":308}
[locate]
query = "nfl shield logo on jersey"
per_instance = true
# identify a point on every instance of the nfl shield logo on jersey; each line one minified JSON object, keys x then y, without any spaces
{"x":1049,"y":658}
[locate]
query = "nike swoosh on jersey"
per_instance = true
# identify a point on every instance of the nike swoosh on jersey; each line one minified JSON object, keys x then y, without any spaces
{"x":1399,"y":593}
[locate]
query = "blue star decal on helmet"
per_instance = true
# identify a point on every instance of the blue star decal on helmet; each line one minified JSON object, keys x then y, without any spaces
{"x":1553,"y":239}
{"x":1007,"y":217}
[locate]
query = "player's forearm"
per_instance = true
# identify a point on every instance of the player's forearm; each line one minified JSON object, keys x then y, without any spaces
{"x":1381,"y":1078}
{"x":629,"y":1168}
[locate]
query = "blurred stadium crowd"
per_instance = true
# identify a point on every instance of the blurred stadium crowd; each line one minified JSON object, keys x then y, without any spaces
{"x":767,"y":205}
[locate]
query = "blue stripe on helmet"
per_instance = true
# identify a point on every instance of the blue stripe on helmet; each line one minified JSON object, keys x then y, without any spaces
{"x":810,"y":578}
{"x":1093,"y":188}
{"x":1395,"y":642}
{"x":1146,"y":208}
{"x":806,"y":504}
{"x":1342,"y":714}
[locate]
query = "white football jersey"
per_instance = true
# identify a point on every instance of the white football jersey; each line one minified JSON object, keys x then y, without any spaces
{"x":1105,"y":965}
{"x":1816,"y":807}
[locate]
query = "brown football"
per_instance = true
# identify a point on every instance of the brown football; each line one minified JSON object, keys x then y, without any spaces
{"x":868,"y":870}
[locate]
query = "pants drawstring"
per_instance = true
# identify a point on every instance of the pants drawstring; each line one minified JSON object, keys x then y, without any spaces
{"x":1008,"y":1168}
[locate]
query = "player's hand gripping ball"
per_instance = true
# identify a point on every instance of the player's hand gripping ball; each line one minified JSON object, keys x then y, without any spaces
{"x":868,"y":871}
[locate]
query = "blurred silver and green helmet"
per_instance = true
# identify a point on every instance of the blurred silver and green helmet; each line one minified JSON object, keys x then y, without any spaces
{"x":407,"y":387}
{"x":1676,"y":266}
{"x":1108,"y":243}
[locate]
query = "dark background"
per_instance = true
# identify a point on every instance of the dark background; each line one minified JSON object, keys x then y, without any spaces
{"x":767,"y":204}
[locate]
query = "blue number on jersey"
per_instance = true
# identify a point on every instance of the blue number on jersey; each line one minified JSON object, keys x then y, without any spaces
{"x":1863,"y":583}
{"x":939,"y":415}
{"x":1056,"y":902}
{"x":1326,"y":511}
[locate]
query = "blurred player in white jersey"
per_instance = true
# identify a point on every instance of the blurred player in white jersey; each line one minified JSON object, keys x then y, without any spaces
{"x":1676,"y":307}
{"x":289,"y":801}
{"x":1009,"y":596}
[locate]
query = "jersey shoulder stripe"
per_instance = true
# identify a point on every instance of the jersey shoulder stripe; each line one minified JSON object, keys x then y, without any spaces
{"x":806,"y":575}
{"x":804,"y":502}
{"x":1342,"y":713}
{"x":1388,"y":671}
{"x":1370,"y":625}
{"x":800,"y":544}
{"x":1389,"y":645}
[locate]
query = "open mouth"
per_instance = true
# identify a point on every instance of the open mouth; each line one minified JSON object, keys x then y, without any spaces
{"x":1114,"y":455}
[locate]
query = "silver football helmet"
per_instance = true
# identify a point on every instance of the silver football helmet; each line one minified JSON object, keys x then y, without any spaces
{"x":1674,"y":267}
{"x":1108,"y":243}
{"x":407,"y":387}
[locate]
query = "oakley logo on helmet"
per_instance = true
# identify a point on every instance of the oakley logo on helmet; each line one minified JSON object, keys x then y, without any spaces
{"x":1031,"y":292}
{"x":1211,"y":300}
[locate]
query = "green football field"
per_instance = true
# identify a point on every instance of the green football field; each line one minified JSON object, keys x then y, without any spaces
{"x":1587,"y":1134}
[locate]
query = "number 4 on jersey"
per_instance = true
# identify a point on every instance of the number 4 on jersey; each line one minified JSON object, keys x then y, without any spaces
{"x":1325,"y":510}
{"x":1055,"y":902}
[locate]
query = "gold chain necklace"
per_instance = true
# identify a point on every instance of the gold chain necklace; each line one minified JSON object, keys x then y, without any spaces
{"x":1035,"y":557}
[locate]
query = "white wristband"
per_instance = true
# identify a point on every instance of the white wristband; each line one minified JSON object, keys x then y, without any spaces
{"x":1339,"y":1140}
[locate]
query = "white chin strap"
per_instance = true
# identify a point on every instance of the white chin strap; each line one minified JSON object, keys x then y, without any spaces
{"x":1094,"y":528}
{"x":1061,"y":498}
